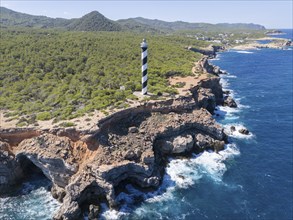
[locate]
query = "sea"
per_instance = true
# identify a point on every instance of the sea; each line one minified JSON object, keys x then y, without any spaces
{"x":250,"y":179}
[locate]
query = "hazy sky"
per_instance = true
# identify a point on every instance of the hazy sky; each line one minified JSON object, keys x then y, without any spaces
{"x":271,"y":14}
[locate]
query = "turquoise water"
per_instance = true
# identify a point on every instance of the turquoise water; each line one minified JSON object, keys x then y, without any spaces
{"x":250,"y":179}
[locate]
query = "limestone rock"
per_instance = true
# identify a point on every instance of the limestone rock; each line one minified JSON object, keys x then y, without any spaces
{"x":93,"y":212}
{"x":58,"y":193}
{"x":182,"y":144}
{"x":206,"y":99}
{"x":133,"y":130}
{"x":52,"y":154}
{"x":10,"y":170}
{"x":204,"y":142}
{"x":130,"y":145}
{"x":229,"y":101}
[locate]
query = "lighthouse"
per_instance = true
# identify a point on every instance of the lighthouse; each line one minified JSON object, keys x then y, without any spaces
{"x":144,"y":67}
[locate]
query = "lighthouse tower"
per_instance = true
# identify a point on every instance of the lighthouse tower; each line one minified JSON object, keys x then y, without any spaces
{"x":144,"y":67}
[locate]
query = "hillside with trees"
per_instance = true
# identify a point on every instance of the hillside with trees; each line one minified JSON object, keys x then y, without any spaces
{"x":62,"y":75}
{"x":64,"y":68}
{"x":95,"y":21}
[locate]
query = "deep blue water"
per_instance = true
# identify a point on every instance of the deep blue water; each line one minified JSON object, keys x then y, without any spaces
{"x":253,"y":178}
{"x":250,"y":179}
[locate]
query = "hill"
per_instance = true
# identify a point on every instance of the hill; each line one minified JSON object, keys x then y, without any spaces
{"x":12,"y":18}
{"x":95,"y":21}
{"x":181,"y":25}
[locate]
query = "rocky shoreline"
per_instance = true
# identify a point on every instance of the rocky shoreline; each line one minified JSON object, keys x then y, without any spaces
{"x":275,"y":43}
{"x":88,"y":167}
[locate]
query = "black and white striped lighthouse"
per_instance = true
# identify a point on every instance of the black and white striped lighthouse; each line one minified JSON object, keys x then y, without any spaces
{"x":144,"y":67}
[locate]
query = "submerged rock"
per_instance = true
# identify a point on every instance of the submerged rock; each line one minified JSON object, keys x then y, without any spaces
{"x":243,"y":131}
{"x":232,"y":129}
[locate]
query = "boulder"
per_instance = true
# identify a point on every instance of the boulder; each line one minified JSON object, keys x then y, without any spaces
{"x":243,"y":131}
{"x":232,"y":129}
{"x":182,"y":144}
{"x":93,"y":212}
{"x":218,"y":145}
{"x":204,"y":142}
{"x":229,"y":101}
{"x":133,"y":130}
{"x":58,"y":192}
{"x":132,"y":154}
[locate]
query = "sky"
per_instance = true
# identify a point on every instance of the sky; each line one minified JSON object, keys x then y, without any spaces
{"x":271,"y":14}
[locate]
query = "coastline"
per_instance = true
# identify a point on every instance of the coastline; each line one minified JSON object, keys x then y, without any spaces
{"x":275,"y":43}
{"x":177,"y":126}
{"x":186,"y":119}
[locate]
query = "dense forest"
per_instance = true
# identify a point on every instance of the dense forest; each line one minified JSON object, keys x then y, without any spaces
{"x":62,"y":68}
{"x":62,"y":75}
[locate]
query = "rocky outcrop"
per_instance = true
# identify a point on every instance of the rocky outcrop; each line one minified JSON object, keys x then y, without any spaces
{"x":229,"y":101}
{"x":136,"y":156}
{"x":206,"y":99}
{"x":208,"y":94}
{"x":176,"y":145}
{"x":209,"y":51}
{"x":243,"y":131}
{"x":10,"y":170}
{"x":54,"y":155}
{"x":86,"y":167}
{"x":205,"y":142}
{"x":203,"y":66}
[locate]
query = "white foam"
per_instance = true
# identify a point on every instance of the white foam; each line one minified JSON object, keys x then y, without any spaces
{"x":29,"y":204}
{"x":243,"y":51}
{"x":183,"y":172}
{"x":110,"y":214}
{"x":226,"y":112}
{"x":180,"y":173}
{"x":186,"y":172}
{"x":224,"y":82}
{"x":229,"y":76}
{"x":236,"y":133}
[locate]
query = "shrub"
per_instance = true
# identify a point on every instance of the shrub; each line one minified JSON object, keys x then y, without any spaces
{"x":67,"y":124}
{"x":43,"y":116}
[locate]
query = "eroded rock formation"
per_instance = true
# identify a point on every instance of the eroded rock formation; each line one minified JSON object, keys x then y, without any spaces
{"x":132,"y":145}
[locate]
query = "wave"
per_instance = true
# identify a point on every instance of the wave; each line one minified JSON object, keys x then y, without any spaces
{"x":236,"y":133}
{"x":229,"y":76}
{"x":29,"y":204}
{"x":243,"y":51}
{"x":180,"y":174}
{"x":224,"y":82}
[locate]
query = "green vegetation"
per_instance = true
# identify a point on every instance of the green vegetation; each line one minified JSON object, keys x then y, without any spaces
{"x":94,"y":21}
{"x":67,"y":124}
{"x":57,"y":74}
{"x":181,"y":25}
{"x":50,"y":73}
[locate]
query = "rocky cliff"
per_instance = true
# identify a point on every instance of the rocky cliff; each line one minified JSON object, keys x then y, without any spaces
{"x":87,"y":167}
